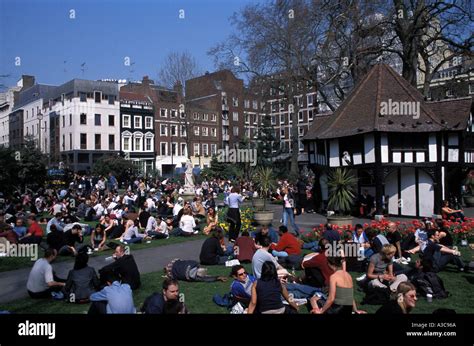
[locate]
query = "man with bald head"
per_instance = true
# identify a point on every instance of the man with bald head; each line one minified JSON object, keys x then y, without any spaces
{"x":394,"y":237}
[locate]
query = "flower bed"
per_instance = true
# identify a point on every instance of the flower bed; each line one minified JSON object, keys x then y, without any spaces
{"x":246,"y":217}
{"x":458,"y":229}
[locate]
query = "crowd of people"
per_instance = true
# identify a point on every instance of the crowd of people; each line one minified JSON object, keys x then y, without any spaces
{"x":150,"y":210}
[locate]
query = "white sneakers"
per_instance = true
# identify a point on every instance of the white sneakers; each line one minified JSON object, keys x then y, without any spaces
{"x":362,"y":277}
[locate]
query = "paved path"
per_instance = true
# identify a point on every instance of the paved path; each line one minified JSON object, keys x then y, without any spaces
{"x":13,"y":283}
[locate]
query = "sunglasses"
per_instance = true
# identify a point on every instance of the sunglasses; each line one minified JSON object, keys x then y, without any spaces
{"x":241,"y":274}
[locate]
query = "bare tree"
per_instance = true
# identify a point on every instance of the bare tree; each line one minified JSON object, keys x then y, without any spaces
{"x":178,"y":67}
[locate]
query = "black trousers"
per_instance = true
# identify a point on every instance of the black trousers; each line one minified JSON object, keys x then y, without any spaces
{"x":233,"y":218}
{"x":98,"y":308}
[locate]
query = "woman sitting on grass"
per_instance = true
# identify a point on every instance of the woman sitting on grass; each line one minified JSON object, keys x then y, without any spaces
{"x":82,"y":281}
{"x":267,"y":292}
{"x":406,"y":301}
{"x":212,"y":221}
{"x":341,"y":292}
{"x":98,"y":238}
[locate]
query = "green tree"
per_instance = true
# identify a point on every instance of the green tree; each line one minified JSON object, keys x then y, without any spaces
{"x":116,"y":164}
{"x":268,"y":147}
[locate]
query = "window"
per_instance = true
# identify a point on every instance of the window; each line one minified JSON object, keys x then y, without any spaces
{"x":70,"y":119}
{"x":148,"y":122}
{"x":196,"y":130}
{"x":235,"y":131}
{"x":111,"y":142}
{"x":111,"y":120}
{"x":255,"y":119}
{"x":63,"y":143}
{"x":126,"y":120}
{"x":213,"y":149}
{"x":255,"y":104}
{"x":205,"y":117}
{"x":97,"y":141}
{"x":273,"y":117}
{"x":163,"y":112}
{"x":183,"y":149}
{"x":235,"y":116}
{"x":174,"y":113}
{"x":164,"y":149}
{"x":196,"y":149}
{"x":471,"y":88}
{"x":282,"y":105}
{"x":310,"y":99}
{"x":111,"y":99}
{"x":97,"y":119}
{"x":97,"y":96}
{"x":205,"y":131}
{"x":310,"y":115}
{"x":301,"y":145}
{"x":83,"y":141}
{"x":300,"y":116}
{"x":137,"y":122}
{"x":274,"y":107}
{"x":82,"y":97}
{"x":174,"y":149}
{"x":138,"y":144}
{"x":300,"y":131}
{"x":163,"y":130}
{"x":174,"y":130}
{"x":205,"y":149}
{"x":246,"y":118}
{"x":213,"y":117}
{"x":247,"y":132}
{"x":235,"y":101}
{"x":148,"y":144}
{"x":290,"y":118}
{"x":183,"y":130}
{"x":247,"y":103}
{"x":70,"y":141}
{"x":126,"y":144}
{"x":282,"y":118}
{"x":282,"y":133}
{"x":213,"y":132}
{"x":407,"y":142}
{"x":195,"y":116}
{"x":64,"y":122}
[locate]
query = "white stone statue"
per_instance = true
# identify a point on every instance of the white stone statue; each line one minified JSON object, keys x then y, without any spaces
{"x":188,"y":178}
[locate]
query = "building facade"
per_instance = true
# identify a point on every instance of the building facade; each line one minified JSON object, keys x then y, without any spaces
{"x":414,"y":152}
{"x":137,"y":130}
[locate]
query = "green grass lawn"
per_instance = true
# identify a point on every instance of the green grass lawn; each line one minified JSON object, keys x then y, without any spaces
{"x":198,"y":296}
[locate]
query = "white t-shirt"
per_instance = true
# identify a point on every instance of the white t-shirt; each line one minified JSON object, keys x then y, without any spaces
{"x":187,"y":223}
{"x":99,"y":209}
{"x":177,"y":207}
{"x":40,"y":275}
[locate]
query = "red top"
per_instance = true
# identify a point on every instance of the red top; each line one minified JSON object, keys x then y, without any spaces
{"x":35,"y":230}
{"x":288,"y":243}
{"x":244,"y":248}
{"x":321,"y":262}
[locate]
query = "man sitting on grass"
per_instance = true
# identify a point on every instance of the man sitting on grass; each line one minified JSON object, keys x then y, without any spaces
{"x":42,"y":281}
{"x":115,"y":298}
{"x":166,"y":302}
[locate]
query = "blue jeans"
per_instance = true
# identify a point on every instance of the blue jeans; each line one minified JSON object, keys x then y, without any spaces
{"x":313,"y":246}
{"x":289,"y":214}
{"x":279,"y":253}
{"x":133,"y":240}
{"x":301,"y":291}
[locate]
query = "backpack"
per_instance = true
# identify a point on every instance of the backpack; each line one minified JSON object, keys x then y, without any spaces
{"x":225,"y":301}
{"x":376,"y":296}
{"x":430,"y":283}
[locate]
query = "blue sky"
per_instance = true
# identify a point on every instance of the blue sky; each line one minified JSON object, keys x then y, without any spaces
{"x":52,"y":46}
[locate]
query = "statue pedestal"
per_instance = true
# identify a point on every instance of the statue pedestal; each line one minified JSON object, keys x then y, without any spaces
{"x":188,"y":196}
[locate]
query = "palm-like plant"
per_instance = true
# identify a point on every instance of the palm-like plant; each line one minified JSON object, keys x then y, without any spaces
{"x":264,"y":181}
{"x":342,"y":185}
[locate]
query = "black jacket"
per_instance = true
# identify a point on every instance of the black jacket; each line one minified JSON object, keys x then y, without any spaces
{"x":127,"y":268}
{"x":211,"y":248}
